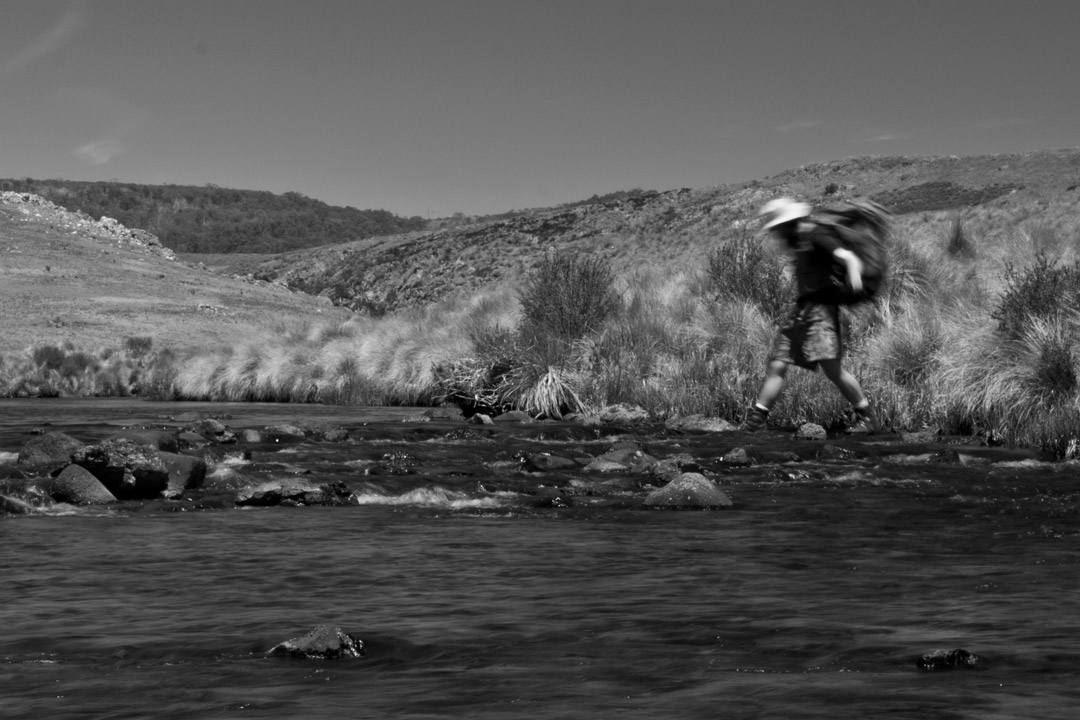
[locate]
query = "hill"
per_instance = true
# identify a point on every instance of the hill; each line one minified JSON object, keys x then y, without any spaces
{"x":65,"y":277}
{"x":675,"y":228}
{"x":211,"y":219}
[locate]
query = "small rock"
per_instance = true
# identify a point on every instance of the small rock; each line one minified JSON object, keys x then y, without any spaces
{"x":958,"y":659}
{"x":699,"y":423}
{"x":737,"y":456}
{"x":689,"y":491}
{"x":810,"y":431}
{"x":322,"y":643}
{"x":481,"y":419}
{"x":545,"y":461}
{"x":518,"y":416}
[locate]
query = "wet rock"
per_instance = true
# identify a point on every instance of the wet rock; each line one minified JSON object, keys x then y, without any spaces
{"x":52,"y":447}
{"x":129,"y":471}
{"x":810,"y":431}
{"x":542,"y":462}
{"x":689,"y":491}
{"x":795,"y":475}
{"x":283,"y":433}
{"x":623,"y":414}
{"x":958,"y":659}
{"x":185,"y":472}
{"x":15,"y":506}
{"x":835,"y":452}
{"x":550,"y":497}
{"x":249,"y":435}
{"x":518,"y":416}
{"x":322,"y":643}
{"x":295,"y":493}
{"x":78,"y":486}
{"x":602,"y":465}
{"x":946,"y":457}
{"x":208,"y":428}
{"x":739,"y":457}
{"x":698,"y":423}
{"x":160,"y":439}
{"x":481,"y":419}
{"x":324,"y":432}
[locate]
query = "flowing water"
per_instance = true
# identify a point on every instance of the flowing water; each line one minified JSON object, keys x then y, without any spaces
{"x":810,"y":598}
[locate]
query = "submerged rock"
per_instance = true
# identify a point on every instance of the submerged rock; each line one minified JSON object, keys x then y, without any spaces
{"x":958,"y":659}
{"x":322,"y":643}
{"x":15,"y":506}
{"x":78,"y":486}
{"x":689,"y":491}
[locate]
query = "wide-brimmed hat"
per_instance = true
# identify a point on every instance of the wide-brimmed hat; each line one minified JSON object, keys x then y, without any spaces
{"x":782,"y":210}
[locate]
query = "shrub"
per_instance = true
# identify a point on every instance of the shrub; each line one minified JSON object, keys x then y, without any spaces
{"x":959,"y":244}
{"x":741,"y":268}
{"x":1042,"y":290}
{"x":138,"y":347}
{"x":49,"y":357}
{"x":567,"y":297}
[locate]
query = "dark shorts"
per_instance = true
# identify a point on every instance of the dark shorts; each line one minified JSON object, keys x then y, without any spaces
{"x":811,"y":334}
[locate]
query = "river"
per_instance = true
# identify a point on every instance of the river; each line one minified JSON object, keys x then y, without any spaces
{"x":809,"y":598}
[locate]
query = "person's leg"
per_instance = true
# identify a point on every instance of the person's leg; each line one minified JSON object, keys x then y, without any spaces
{"x":757,"y":416}
{"x":849,"y":387}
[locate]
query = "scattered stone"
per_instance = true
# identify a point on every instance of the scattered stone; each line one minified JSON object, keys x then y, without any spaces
{"x":958,"y":659}
{"x":185,"y":473}
{"x":518,"y":416}
{"x":322,"y":643}
{"x":130,"y":471}
{"x":623,"y":414}
{"x":737,"y":456}
{"x":78,"y":486}
{"x":160,"y":439}
{"x":542,"y":462}
{"x":689,"y":491}
{"x":810,"y":431}
{"x":699,"y":423}
{"x":52,"y":447}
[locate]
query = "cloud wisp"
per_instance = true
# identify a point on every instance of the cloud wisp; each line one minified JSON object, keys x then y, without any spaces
{"x":55,"y":38}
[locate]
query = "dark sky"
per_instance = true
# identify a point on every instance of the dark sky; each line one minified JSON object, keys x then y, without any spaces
{"x":430,"y":107}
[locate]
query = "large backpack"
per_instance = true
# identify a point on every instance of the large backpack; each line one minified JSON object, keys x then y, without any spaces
{"x":862,"y":226}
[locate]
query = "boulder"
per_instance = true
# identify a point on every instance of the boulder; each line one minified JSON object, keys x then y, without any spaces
{"x":78,"y":486}
{"x":160,"y":439}
{"x":810,"y":431}
{"x":130,"y":471}
{"x":52,"y":447}
{"x":185,"y":472}
{"x":295,"y":493}
{"x":322,"y":643}
{"x":688,"y":491}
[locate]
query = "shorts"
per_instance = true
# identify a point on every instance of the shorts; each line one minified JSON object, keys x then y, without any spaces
{"x":812,"y":334}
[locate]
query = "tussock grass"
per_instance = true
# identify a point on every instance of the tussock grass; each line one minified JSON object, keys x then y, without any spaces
{"x":977,"y":332}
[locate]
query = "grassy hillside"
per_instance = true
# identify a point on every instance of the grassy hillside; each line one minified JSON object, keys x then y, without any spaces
{"x":65,"y":278}
{"x":210,"y":219}
{"x":673,"y":229}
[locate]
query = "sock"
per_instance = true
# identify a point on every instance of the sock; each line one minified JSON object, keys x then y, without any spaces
{"x":761,"y":407}
{"x":862,"y":404}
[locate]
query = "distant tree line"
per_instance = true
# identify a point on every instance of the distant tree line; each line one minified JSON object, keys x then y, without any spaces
{"x":212,"y":219}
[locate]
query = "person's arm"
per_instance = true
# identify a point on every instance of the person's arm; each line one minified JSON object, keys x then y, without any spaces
{"x":853,"y":265}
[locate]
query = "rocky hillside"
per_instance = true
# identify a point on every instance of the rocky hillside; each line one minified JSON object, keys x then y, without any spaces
{"x":65,"y":277}
{"x":667,"y":230}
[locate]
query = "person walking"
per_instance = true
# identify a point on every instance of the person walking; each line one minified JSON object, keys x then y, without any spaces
{"x":811,"y":336}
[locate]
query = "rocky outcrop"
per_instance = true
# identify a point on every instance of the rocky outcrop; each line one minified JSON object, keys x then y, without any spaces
{"x":958,"y":659}
{"x":689,"y":491}
{"x":78,"y":486}
{"x":130,"y":471}
{"x":51,"y":447}
{"x":324,"y":642}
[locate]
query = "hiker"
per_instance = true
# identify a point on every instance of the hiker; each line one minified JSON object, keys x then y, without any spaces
{"x":811,"y":336}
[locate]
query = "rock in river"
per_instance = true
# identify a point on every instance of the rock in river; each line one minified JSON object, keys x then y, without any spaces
{"x":689,"y":491}
{"x":322,"y":643}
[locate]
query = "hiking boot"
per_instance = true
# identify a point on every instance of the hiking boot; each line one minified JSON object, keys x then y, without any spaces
{"x":755,"y":419}
{"x":866,"y":422}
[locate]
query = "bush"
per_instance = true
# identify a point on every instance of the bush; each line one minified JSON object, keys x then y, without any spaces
{"x":742,"y":268}
{"x":1040,"y":291}
{"x":566,"y":297}
{"x":959,"y":243}
{"x":49,"y":357}
{"x":138,"y":347}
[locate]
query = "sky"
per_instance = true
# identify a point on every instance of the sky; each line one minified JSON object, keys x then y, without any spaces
{"x":434,"y":107}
